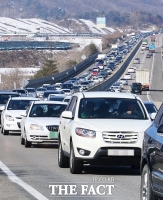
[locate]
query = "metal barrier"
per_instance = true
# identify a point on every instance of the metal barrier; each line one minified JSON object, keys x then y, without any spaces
{"x":63,"y":76}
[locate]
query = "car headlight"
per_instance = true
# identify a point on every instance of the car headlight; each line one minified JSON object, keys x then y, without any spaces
{"x":36,"y":127}
{"x":85,"y":132}
{"x":9,"y":118}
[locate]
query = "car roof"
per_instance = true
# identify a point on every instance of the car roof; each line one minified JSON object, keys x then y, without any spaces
{"x":7,"y":92}
{"x":50,"y":102}
{"x":24,"y":98}
{"x":106,"y":95}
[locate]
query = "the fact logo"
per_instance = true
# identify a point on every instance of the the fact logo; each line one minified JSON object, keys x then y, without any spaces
{"x":100,"y":186}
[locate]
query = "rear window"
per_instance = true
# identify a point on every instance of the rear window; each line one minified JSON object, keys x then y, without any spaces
{"x":18,"y":104}
{"x":4,"y":97}
{"x":19,"y":91}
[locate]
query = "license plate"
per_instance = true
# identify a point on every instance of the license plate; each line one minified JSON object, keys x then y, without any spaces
{"x":136,"y":90}
{"x":53,"y":134}
{"x":120,"y":152}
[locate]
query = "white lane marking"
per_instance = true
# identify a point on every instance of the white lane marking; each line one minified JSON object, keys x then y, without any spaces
{"x":24,"y":185}
{"x":151,"y":77}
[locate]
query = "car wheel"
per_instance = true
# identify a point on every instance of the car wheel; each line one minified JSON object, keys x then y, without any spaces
{"x":5,"y":132}
{"x":146,"y":189}
{"x":22,"y":141}
{"x":75,"y":165}
{"x":63,"y":161}
{"x":1,"y":129}
{"x":27,"y":143}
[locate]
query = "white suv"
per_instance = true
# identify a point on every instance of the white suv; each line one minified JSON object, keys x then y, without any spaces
{"x":102,"y":128}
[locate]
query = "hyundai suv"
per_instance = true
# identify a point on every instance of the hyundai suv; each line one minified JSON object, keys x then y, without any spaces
{"x":109,"y":136}
{"x":152,"y":159}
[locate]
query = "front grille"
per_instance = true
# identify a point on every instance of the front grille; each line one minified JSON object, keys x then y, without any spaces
{"x":120,"y":137}
{"x":52,"y":128}
{"x":41,"y":137}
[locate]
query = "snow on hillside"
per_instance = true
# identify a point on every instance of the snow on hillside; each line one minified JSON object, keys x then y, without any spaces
{"x":11,"y":26}
{"x":34,"y":25}
{"x":94,"y":29}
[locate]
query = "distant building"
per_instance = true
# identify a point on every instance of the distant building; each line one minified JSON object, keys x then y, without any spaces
{"x":101,"y":22}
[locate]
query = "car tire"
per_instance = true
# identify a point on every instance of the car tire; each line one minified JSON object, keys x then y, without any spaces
{"x":22,"y":140}
{"x":63,"y":161}
{"x":27,"y":143}
{"x":75,"y":165}
{"x":5,"y":132}
{"x":1,"y":130}
{"x":146,"y":189}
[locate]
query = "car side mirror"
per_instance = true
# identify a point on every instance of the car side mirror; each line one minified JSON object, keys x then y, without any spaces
{"x":67,"y":115}
{"x":153,"y":115}
{"x":160,"y":130}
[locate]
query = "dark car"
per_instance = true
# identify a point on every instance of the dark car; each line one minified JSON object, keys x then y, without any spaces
{"x":136,"y":88}
{"x":22,"y":92}
{"x":152,"y":160}
{"x":148,"y":55}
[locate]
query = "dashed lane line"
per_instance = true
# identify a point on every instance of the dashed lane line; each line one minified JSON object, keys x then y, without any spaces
{"x":24,"y":185}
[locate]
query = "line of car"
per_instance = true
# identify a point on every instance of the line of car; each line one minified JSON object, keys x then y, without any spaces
{"x":111,"y":133}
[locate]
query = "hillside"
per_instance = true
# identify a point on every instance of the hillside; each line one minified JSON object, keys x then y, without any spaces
{"x":48,"y":9}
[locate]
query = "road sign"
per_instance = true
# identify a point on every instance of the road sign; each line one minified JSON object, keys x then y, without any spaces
{"x":24,"y":82}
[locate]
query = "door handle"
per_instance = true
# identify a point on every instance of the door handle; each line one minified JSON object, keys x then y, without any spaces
{"x":150,"y":140}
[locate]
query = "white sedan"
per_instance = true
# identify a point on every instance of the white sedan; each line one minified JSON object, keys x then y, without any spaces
{"x":131,"y":70}
{"x":95,"y":79}
{"x":40,"y":122}
{"x":11,"y":114}
{"x":128,"y":76}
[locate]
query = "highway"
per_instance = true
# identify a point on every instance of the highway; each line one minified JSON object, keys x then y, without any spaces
{"x":33,"y":173}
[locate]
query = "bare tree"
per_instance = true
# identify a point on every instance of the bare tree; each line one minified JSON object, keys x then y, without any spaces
{"x":8,"y":78}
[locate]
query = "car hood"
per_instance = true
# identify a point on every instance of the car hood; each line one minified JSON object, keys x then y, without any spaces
{"x":15,"y":113}
{"x":44,"y":120}
{"x":114,"y":124}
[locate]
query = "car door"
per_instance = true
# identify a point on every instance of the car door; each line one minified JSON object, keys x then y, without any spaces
{"x":66,"y":125}
{"x":155,"y":152}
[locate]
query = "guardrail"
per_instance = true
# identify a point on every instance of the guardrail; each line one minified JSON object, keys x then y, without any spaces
{"x":63,"y":76}
{"x":106,"y":84}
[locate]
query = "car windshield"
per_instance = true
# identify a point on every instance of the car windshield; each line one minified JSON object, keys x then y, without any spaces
{"x":4,"y":97}
{"x":18,"y":104}
{"x":47,"y":110}
{"x":113,"y":108}
{"x":56,"y":98}
{"x":41,"y":89}
{"x":30,"y":90}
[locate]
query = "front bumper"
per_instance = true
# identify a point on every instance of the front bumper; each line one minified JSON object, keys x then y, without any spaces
{"x":115,"y":151}
{"x":42,"y":136}
{"x":12,"y":125}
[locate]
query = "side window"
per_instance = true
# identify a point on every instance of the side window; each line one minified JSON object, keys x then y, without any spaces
{"x":159,"y":117}
{"x":161,"y":120}
{"x":72,"y":105}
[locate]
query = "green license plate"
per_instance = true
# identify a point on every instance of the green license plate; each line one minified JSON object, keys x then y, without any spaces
{"x":53,"y":134}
